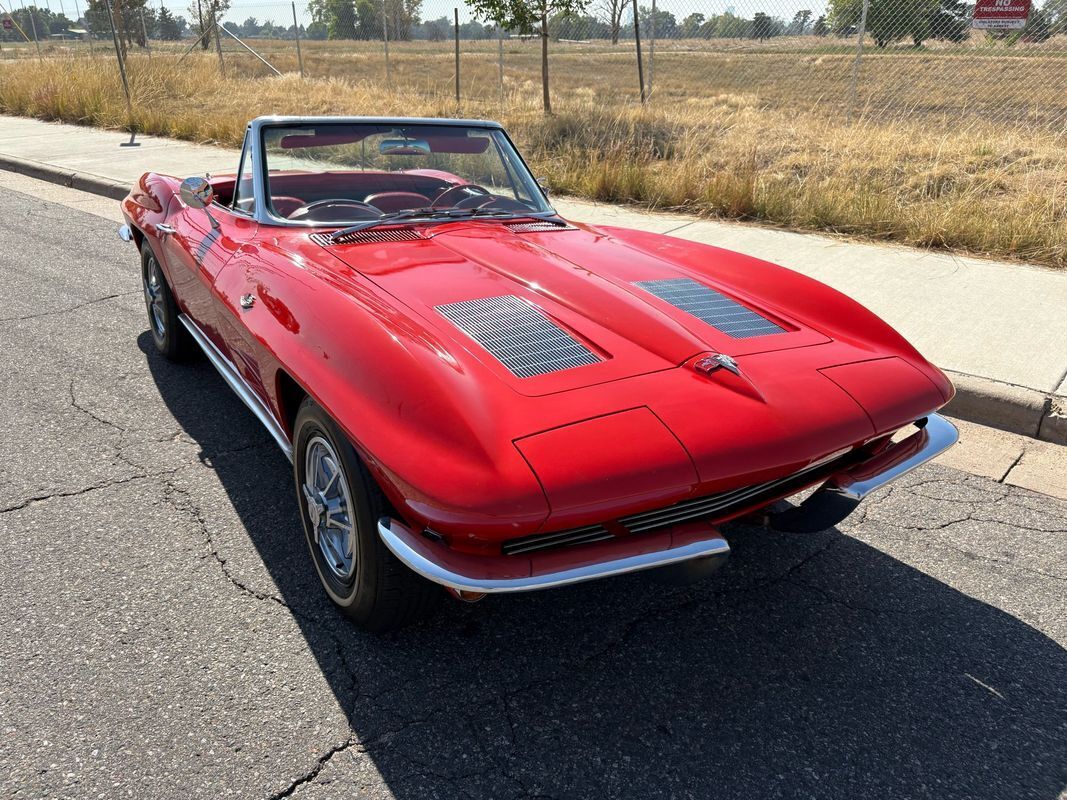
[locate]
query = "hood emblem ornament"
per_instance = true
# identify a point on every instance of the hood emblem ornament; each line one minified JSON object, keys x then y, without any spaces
{"x":709,"y":364}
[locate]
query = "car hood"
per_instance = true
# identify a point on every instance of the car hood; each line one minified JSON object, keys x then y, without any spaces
{"x":605,"y":296}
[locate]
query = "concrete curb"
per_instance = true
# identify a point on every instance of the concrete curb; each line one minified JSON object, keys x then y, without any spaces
{"x":1008,"y":407}
{"x":989,"y":402}
{"x":83,"y":182}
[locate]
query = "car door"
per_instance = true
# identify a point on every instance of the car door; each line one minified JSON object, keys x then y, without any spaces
{"x":198,"y":242}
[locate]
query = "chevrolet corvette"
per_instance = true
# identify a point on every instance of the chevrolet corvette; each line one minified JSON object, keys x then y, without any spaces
{"x":480,"y":395}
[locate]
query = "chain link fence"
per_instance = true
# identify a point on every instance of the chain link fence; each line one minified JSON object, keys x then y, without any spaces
{"x":917,"y":59}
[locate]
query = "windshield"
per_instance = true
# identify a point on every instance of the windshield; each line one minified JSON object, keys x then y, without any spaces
{"x":337,"y":174}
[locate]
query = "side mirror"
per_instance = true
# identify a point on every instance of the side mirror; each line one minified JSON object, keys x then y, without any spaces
{"x":197,"y":193}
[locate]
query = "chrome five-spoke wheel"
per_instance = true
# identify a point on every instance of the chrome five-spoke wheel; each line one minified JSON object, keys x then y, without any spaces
{"x":154,"y":297}
{"x":340,"y":505}
{"x":329,"y":507}
{"x":170,"y":337}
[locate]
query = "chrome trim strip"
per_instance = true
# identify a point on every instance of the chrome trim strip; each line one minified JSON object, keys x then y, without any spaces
{"x":125,"y":233}
{"x":716,"y":546}
{"x":233,"y":378}
{"x":164,"y":229}
{"x":937,"y":436}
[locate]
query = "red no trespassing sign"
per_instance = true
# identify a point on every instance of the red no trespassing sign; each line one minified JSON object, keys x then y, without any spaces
{"x":1001,"y":14}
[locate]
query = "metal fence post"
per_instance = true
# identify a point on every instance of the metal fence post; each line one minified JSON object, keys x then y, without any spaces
{"x":652,"y":50}
{"x":122,"y":65}
{"x":385,"y":37}
{"x":33,"y":27}
{"x":500,"y":60}
{"x":144,"y":32}
{"x":856,"y":62}
{"x":218,"y":38}
{"x":640,"y":67}
{"x":88,"y":28}
{"x":296,"y":32}
{"x":456,"y":12}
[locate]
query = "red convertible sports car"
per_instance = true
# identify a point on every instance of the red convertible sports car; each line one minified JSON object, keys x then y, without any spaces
{"x":480,"y":395}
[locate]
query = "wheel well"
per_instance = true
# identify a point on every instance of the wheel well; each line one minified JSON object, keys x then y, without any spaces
{"x":290,"y":395}
{"x":138,"y":236}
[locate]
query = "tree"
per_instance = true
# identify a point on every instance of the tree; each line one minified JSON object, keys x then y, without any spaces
{"x":951,"y":21}
{"x":126,"y":15}
{"x":1038,"y":26}
{"x":661,"y":25}
{"x":691,"y":26}
{"x":523,"y":15}
{"x":1057,"y":14}
{"x":203,"y":12}
{"x":762,"y":26}
{"x":611,"y":12}
{"x":363,"y":19}
{"x":891,"y":20}
{"x":167,"y":26}
{"x":820,"y":28}
{"x":799,"y":25}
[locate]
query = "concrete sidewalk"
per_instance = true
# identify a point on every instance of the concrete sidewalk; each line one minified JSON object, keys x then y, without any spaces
{"x":999,"y":328}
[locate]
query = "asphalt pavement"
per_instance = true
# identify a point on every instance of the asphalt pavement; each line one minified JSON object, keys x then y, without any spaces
{"x":163,"y":635}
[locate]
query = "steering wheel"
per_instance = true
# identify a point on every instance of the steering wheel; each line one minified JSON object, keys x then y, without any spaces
{"x":308,"y":210}
{"x":462,"y":195}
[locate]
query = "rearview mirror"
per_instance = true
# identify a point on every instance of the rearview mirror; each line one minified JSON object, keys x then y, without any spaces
{"x":197,"y":193}
{"x":404,"y":147}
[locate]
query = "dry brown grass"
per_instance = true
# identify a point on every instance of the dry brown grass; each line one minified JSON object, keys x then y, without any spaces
{"x":983,"y":188}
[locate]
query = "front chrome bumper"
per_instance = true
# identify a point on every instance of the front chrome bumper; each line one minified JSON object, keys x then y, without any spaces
{"x":934,"y":436}
{"x":496,"y":574}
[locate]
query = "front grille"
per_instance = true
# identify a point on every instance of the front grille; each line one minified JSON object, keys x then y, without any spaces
{"x":521,"y":337}
{"x":547,"y":541}
{"x":708,"y":305}
{"x":368,"y":236}
{"x":712,"y":505}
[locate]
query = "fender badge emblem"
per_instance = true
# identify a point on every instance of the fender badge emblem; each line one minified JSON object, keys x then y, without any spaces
{"x":247,"y":301}
{"x":709,"y":364}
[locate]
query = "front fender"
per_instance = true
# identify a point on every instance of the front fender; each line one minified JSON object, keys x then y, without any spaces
{"x":416,"y":415}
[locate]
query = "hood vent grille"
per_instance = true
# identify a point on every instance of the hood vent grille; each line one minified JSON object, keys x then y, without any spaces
{"x":369,"y":236}
{"x":718,"y":310}
{"x":539,"y":226}
{"x":519,"y":335}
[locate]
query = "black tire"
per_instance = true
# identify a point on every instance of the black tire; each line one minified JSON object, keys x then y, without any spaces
{"x":171,"y":338}
{"x":381,"y":594}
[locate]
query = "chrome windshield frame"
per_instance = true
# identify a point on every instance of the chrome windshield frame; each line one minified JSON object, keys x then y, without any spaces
{"x":260,"y":182}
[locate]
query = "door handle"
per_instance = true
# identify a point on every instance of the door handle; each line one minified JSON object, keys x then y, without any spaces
{"x":163,"y":229}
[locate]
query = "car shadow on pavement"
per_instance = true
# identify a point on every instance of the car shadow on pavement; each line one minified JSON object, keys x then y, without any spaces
{"x":810,"y":666}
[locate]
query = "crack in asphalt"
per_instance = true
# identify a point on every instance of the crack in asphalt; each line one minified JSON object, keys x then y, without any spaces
{"x":68,"y":309}
{"x":320,"y":764}
{"x":71,"y":493}
{"x":91,"y":414}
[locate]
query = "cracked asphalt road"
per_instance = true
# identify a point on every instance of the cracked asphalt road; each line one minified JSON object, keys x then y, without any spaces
{"x":162,"y":633}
